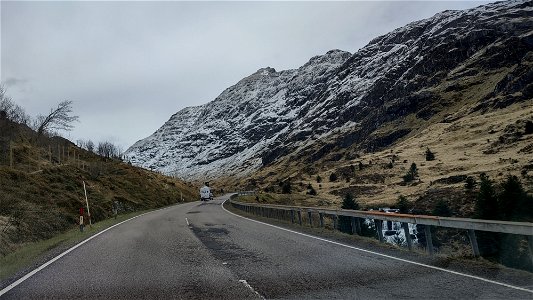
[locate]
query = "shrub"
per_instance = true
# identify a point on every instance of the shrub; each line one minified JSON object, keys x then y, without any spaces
{"x":470,"y":183}
{"x":429,"y":155}
{"x":529,"y":127}
{"x":442,"y":209}
{"x":333,"y":177}
{"x":345,"y":223}
{"x":514,"y":203}
{"x":486,"y":202}
{"x":286,"y":187}
{"x":403,"y":204}
{"x":411,"y":174}
{"x":311,"y":190}
{"x":318,"y":179}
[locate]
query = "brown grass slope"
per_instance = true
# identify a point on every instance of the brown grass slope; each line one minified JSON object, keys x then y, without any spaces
{"x":477,"y":126}
{"x":41,"y":186}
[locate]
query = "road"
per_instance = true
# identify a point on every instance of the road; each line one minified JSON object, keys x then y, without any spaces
{"x":200,"y":251}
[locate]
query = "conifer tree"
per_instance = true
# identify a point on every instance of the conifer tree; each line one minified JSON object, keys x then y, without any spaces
{"x":345,"y":223}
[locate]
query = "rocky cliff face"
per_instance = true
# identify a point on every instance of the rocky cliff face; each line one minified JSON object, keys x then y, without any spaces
{"x":338,"y":100}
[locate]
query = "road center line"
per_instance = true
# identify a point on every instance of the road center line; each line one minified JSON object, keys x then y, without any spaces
{"x":382,"y":255}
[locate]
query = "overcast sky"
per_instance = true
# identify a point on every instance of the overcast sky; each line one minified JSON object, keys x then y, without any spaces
{"x":128,"y":66}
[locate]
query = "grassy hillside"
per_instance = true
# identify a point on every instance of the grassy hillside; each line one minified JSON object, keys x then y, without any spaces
{"x":465,"y":144}
{"x":41,"y":184}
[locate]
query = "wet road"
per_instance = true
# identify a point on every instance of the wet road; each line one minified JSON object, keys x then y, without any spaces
{"x":200,"y":251}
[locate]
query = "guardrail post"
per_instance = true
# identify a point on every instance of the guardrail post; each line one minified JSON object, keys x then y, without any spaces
{"x":379,"y":229}
{"x":408,"y":239}
{"x":358,"y":226}
{"x":334,"y":222}
{"x":310,"y":217}
{"x":354,"y":228}
{"x":292,"y":216}
{"x":473,"y":242}
{"x":300,"y":217}
{"x":530,"y":242}
{"x":429,"y":241}
{"x":321,"y":219}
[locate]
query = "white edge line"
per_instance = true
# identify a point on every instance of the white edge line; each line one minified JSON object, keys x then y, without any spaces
{"x":248,"y":286}
{"x":382,"y":255}
{"x":46,"y":264}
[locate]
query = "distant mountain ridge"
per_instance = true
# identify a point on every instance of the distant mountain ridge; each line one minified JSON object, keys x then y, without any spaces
{"x":338,"y":100}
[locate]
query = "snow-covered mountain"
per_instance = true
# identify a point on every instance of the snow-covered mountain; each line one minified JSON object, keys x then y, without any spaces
{"x":338,"y":99}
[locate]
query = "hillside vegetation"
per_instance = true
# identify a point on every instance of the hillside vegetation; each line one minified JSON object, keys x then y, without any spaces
{"x":41,"y":184}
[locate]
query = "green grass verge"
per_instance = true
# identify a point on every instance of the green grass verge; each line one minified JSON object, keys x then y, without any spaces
{"x":31,"y":252}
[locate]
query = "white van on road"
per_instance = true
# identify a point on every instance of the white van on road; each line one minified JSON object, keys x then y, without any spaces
{"x":205,"y":193}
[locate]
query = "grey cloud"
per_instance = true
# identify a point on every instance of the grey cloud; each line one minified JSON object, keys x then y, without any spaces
{"x":128,"y":66}
{"x":10,"y":81}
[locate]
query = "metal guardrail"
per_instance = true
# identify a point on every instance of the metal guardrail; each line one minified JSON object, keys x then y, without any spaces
{"x":471,"y":225}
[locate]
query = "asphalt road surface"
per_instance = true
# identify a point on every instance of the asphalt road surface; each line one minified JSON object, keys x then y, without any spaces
{"x":200,"y":251}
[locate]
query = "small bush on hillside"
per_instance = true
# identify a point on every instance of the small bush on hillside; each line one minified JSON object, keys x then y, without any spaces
{"x":486,"y":202}
{"x":403,"y":204}
{"x":442,"y":209}
{"x":412,"y":174}
{"x":333,"y":177}
{"x":514,"y":203}
{"x":311,"y":190}
{"x":318,"y":179}
{"x":286,"y":187}
{"x":345,"y":223}
{"x":429,"y":155}
{"x":470,"y":183}
{"x":529,"y":127}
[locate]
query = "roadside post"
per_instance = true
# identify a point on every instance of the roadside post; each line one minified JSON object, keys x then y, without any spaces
{"x":87,"y":202}
{"x":81,"y":219}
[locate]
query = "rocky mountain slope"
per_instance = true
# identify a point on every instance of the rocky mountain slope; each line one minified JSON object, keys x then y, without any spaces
{"x":340,"y":105}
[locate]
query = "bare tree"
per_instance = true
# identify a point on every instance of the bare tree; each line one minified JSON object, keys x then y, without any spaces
{"x":11,"y":110}
{"x":86,"y":144}
{"x":89,"y":146}
{"x":58,"y":119}
{"x":106,"y":149}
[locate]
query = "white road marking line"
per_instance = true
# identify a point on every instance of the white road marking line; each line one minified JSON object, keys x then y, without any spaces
{"x":246,"y":284}
{"x":383,"y":255}
{"x":187,"y":220}
{"x":46,"y":264}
